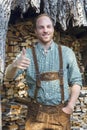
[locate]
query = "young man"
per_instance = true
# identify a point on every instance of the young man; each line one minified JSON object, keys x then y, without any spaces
{"x":49,"y":70}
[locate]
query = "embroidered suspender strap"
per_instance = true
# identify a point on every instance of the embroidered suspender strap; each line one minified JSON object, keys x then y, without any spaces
{"x":61,"y":73}
{"x":38,"y":82}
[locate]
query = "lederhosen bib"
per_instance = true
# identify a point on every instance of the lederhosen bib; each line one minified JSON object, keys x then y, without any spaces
{"x":49,"y":75}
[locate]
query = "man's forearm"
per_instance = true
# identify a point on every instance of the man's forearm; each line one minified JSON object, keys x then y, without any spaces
{"x":21,"y":62}
{"x":75,"y":91}
{"x":10,"y":72}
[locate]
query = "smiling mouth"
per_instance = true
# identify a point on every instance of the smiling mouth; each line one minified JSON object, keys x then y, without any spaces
{"x":45,"y":35}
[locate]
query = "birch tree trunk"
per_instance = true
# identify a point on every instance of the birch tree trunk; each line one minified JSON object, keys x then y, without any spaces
{"x":5,"y":7}
{"x":25,"y":4}
{"x":62,"y":11}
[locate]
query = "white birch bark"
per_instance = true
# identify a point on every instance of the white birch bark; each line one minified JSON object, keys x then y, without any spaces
{"x":5,"y":7}
{"x":25,"y":4}
{"x":62,"y":11}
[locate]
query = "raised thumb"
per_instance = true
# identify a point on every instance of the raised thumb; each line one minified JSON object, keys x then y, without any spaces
{"x":23,"y":51}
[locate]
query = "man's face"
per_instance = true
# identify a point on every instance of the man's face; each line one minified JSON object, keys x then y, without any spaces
{"x":44,"y":29}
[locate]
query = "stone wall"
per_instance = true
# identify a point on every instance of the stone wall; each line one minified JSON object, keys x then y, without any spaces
{"x":14,"y":93}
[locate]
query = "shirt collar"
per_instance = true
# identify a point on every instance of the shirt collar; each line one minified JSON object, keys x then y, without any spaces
{"x":40,"y":46}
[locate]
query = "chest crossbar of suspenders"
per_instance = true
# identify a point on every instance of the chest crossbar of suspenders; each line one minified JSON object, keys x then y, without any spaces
{"x":38,"y":75}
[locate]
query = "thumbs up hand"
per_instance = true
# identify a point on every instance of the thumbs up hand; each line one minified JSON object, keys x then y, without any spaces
{"x":22,"y":62}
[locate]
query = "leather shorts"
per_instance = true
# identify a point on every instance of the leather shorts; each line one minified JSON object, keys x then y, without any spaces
{"x":41,"y":117}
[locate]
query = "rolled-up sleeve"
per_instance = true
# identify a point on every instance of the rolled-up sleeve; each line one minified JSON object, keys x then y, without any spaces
{"x":75,"y":76}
